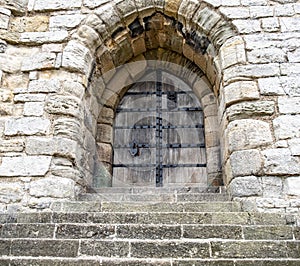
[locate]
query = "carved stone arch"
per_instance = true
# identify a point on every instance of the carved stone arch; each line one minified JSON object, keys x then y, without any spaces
{"x":116,"y":34}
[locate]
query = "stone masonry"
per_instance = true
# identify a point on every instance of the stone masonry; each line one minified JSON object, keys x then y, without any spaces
{"x":61,"y":78}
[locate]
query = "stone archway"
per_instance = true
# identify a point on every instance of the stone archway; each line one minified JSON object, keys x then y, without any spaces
{"x":110,"y":38}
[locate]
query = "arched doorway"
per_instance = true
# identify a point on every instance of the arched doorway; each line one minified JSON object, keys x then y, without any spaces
{"x":159,"y":134}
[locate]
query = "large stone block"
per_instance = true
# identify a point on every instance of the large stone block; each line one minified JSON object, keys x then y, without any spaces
{"x":26,"y":126}
{"x":33,"y":109}
{"x":14,"y":145}
{"x":52,"y":186}
{"x":248,"y":134}
{"x":245,"y":186}
{"x":50,"y":146}
{"x":43,"y":37}
{"x":289,"y":105}
{"x":250,"y":109}
{"x":47,"y":5}
{"x":240,"y":91}
{"x":77,"y":57}
{"x":292,"y":186}
{"x":287,"y":126}
{"x":272,"y":186}
{"x":44,"y":86}
{"x":294,"y":145}
{"x":39,"y":61}
{"x":68,"y":128}
{"x":25,"y":166}
{"x":64,"y":105}
{"x":280,"y":162}
{"x":59,"y":22}
{"x":245,"y":163}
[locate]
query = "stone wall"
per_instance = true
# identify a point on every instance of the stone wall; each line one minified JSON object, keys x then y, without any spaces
{"x":60,"y":60}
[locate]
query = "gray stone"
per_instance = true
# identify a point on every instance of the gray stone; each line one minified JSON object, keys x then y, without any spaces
{"x":289,"y":105}
{"x":250,"y":109}
{"x":25,"y":166}
{"x":267,"y":55}
{"x":63,"y":105}
{"x":11,"y":192}
{"x":292,"y":186}
{"x":270,"y":24}
{"x":43,"y":37}
{"x":272,"y":186}
{"x":287,"y":126}
{"x":280,"y":162}
{"x":26,"y":126}
{"x":248,"y":134}
{"x":289,"y":24}
{"x":33,"y":109}
{"x":4,"y":19}
{"x":39,"y":61}
{"x":59,"y":22}
{"x":245,"y":186}
{"x":44,"y":85}
{"x":27,"y":97}
{"x":17,"y":7}
{"x":52,"y":186}
{"x":77,"y":57}
{"x":48,"y":5}
{"x":52,"y":146}
{"x":245,"y":163}
{"x":10,"y":64}
{"x":206,"y":19}
{"x":294,"y":145}
{"x":68,"y":128}
{"x":247,"y":26}
{"x":235,"y":12}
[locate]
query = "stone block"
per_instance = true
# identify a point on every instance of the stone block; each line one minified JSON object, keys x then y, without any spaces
{"x":206,"y":19}
{"x":280,"y":162}
{"x":235,"y":12}
{"x":294,"y":145}
{"x":212,"y":231}
{"x":52,"y":186}
{"x":68,"y":128}
{"x":64,"y":105}
{"x":289,"y":105}
{"x":266,"y":55}
{"x":88,"y":36}
{"x":248,"y":134}
{"x":28,"y":230}
{"x":245,"y":186}
{"x":104,"y":248}
{"x":9,"y":63}
{"x":43,"y":37}
{"x":25,"y":166}
{"x":167,"y":249}
{"x":247,"y":26}
{"x":48,"y":5}
{"x":105,"y":133}
{"x":27,"y":97}
{"x":11,"y":192}
{"x":39,"y":61}
{"x":292,"y":186}
{"x":270,"y":24}
{"x":42,"y":248}
{"x":59,"y":22}
{"x":250,"y":109}
{"x":77,"y":57}
{"x":14,"y":145}
{"x":240,"y":91}
{"x":289,"y":24}
{"x":26,"y":126}
{"x":287,"y":126}
{"x":44,"y":86}
{"x":52,"y":146}
{"x":245,"y":163}
{"x":4,"y":18}
{"x":33,"y":109}
{"x":272,"y":186}
{"x":73,"y":231}
{"x":271,"y":86}
{"x":233,"y":52}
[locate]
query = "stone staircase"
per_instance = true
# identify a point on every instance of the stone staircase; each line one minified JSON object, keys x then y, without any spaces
{"x":149,"y":226}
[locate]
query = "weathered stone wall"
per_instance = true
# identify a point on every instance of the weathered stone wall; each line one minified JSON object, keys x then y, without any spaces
{"x":57,"y":64}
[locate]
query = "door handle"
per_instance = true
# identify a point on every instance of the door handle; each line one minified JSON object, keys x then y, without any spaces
{"x":134,"y":149}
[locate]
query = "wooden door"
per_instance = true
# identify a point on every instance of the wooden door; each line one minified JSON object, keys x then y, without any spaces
{"x":159,"y":135}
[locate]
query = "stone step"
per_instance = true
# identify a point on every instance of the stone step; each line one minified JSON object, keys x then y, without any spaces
{"x":159,"y":197}
{"x":230,"y":218}
{"x":148,"y":231}
{"x":21,"y":261}
{"x":151,"y":249}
